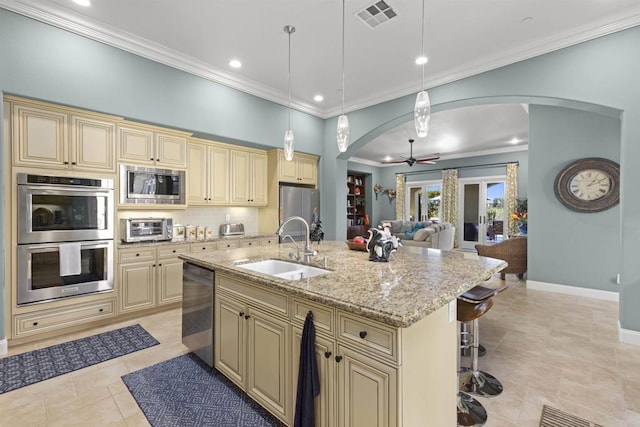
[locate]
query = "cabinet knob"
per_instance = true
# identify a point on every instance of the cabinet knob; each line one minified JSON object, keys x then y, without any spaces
{"x":363,"y":334}
{"x":338,"y":359}
{"x":246,"y":316}
{"x":174,"y":251}
{"x":159,"y":265}
{"x":73,"y":163}
{"x":151,"y":159}
{"x":157,"y":160}
{"x":137,"y":254}
{"x":66,"y":163}
{"x":35,"y":323}
{"x":101,"y":310}
{"x":204,"y":249}
{"x":241,"y":314}
{"x":327,"y":354}
{"x":154,"y":265}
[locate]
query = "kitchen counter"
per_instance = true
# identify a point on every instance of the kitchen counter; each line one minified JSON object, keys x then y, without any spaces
{"x":413,"y":284}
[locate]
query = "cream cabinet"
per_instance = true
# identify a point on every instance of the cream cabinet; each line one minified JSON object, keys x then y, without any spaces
{"x":48,"y":136}
{"x":150,"y":276}
{"x":248,"y":178}
{"x":251,"y":342}
{"x":207,"y":174}
{"x":152,"y":146}
{"x":302,"y":169}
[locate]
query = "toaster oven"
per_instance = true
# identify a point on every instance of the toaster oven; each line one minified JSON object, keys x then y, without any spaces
{"x":146,"y":229}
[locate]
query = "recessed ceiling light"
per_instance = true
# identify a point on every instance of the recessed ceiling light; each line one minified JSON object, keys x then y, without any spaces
{"x":421,"y":60}
{"x":82,"y":2}
{"x":388,"y":158}
{"x":235,"y":63}
{"x":318,"y":98}
{"x":514,"y":140}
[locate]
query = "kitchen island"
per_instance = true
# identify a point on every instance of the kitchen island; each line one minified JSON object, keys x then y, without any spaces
{"x":385,"y":332}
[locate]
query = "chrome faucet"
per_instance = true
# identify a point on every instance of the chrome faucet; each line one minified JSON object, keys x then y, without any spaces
{"x":308,"y":252}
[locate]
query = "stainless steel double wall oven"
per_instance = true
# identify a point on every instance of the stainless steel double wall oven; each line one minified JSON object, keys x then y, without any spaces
{"x":65,"y":237}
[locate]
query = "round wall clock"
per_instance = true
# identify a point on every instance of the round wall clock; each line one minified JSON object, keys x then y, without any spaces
{"x":589,"y":185}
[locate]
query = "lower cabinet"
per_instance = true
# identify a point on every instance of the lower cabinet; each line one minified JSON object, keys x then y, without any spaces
{"x":251,"y":345}
{"x":149,"y":276}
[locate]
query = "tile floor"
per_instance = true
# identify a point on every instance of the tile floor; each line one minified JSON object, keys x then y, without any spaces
{"x":546,"y":348}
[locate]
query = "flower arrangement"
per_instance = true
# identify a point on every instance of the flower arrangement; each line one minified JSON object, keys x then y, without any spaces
{"x":520,"y":218}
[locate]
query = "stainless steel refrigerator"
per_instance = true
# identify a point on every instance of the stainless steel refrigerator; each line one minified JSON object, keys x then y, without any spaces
{"x":301,"y":202}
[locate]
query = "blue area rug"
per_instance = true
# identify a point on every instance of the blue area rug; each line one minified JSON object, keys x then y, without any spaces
{"x":34,"y":366}
{"x":186,"y":392}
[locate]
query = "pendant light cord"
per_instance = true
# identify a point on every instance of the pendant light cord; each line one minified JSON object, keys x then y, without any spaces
{"x":342,"y":110}
{"x":422,"y":39}
{"x":289,"y":77}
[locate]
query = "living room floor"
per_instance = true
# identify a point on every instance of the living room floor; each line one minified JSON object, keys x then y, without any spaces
{"x":546,"y":348}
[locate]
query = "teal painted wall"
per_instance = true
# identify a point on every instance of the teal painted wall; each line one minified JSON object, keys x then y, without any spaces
{"x":599,"y":75}
{"x":558,"y":236}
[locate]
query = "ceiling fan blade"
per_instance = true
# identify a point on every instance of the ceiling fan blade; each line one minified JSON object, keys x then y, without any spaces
{"x":426,"y":162}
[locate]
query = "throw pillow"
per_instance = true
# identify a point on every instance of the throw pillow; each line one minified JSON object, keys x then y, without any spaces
{"x":408,"y":235}
{"x":422,"y":234}
{"x":417,"y":226}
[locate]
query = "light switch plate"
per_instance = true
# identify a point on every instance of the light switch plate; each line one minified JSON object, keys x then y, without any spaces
{"x":227,"y":218}
{"x":453,"y":305}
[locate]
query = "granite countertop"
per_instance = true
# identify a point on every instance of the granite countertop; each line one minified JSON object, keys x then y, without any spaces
{"x":413,"y":284}
{"x":125,"y":245}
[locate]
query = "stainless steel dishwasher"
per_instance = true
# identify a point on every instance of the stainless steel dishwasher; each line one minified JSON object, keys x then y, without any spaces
{"x":197,"y":311}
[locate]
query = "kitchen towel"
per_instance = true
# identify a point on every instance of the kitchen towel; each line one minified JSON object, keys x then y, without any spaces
{"x":308,"y":378}
{"x":69,"y":254}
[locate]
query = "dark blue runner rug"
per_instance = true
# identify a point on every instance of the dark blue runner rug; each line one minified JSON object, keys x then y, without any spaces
{"x":185,"y":391}
{"x":38,"y":365}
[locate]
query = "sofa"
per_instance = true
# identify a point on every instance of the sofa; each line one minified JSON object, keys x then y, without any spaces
{"x":424,"y":234}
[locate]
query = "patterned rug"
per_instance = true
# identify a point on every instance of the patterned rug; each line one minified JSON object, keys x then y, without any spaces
{"x":185,"y":391}
{"x":552,"y":417}
{"x":38,"y":365}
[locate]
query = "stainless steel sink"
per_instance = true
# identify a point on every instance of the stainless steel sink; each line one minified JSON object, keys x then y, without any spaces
{"x":283,"y":269}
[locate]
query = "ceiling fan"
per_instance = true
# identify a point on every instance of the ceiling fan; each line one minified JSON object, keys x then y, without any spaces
{"x":429,"y":160}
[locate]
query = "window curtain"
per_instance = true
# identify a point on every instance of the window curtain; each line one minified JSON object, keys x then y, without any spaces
{"x":450,"y":198}
{"x":400,"y":208}
{"x":511,"y":194}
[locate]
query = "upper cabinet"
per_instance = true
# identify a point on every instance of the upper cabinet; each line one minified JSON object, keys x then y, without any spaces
{"x":207,"y":174}
{"x":152,"y":146}
{"x":303,"y":169}
{"x":249,"y":177}
{"x":49,"y":136}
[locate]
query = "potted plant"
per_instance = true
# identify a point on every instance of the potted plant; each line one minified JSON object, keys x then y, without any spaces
{"x":521,"y":216}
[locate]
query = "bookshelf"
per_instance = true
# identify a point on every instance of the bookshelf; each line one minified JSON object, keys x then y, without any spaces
{"x":357,"y":218}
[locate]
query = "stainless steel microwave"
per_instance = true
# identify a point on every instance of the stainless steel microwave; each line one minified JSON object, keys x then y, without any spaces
{"x":142,"y":185}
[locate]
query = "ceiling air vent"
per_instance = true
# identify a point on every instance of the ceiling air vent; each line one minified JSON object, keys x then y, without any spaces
{"x":376,"y":14}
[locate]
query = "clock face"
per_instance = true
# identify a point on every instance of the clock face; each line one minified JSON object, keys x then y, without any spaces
{"x":590,"y":184}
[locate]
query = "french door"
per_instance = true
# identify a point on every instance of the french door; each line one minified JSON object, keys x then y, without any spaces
{"x":423,"y":200}
{"x":481,"y":215}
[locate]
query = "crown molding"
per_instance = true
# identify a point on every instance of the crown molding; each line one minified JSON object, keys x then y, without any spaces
{"x":128,"y":42}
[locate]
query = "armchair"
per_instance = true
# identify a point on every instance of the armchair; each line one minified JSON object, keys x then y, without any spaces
{"x":513,"y":250}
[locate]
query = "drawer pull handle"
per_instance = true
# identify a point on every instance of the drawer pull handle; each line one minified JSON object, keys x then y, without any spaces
{"x":101,"y":310}
{"x":338,"y":359}
{"x":327,"y":354}
{"x":174,"y":251}
{"x":137,"y":254}
{"x":35,"y":323}
{"x":204,"y":249}
{"x":363,"y":334}
{"x":241,"y":314}
{"x":246,"y":316}
{"x":159,"y":265}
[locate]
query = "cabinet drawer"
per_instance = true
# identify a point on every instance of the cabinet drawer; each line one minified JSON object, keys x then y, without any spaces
{"x":269,"y":241}
{"x":228,"y":244}
{"x":49,"y":320}
{"x":172,"y":251}
{"x":368,"y":334}
{"x":204,"y":247}
{"x":272,"y":301}
{"x":248,"y":243}
{"x":147,"y":253}
{"x":323,"y":317}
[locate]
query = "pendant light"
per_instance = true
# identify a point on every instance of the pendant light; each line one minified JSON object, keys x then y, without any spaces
{"x":288,"y":135}
{"x":422,"y":110}
{"x":343,"y":121}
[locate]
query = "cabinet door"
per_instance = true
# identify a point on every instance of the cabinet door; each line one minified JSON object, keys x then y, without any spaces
{"x":366,"y":391}
{"x":197,"y":174}
{"x":137,"y":286}
{"x":218,"y":175}
{"x":259,"y":179}
{"x":169,"y":281}
{"x":240,"y":182}
{"x":39,"y":137}
{"x":308,"y":170}
{"x":268,"y":359}
{"x":325,"y":402}
{"x":287,"y":170}
{"x":93,"y":144}
{"x":135,"y":145}
{"x":229,"y":339}
{"x":171,"y":151}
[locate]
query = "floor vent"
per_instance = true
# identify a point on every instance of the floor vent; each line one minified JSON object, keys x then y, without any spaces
{"x":376,"y":14}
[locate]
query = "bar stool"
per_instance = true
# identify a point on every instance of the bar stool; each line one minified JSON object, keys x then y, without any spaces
{"x":472,"y":305}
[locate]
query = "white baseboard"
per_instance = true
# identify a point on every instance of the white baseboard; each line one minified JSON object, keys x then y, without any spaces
{"x":628,"y":336}
{"x":4,"y":349}
{"x":573,"y":290}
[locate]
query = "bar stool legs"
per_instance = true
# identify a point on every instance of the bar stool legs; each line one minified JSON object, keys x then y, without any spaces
{"x":473,"y":380}
{"x":471,"y":413}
